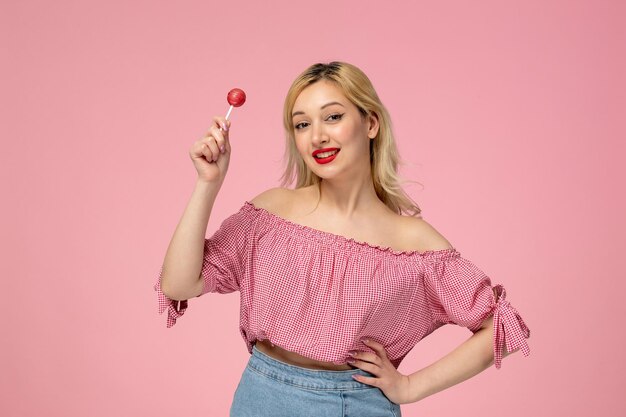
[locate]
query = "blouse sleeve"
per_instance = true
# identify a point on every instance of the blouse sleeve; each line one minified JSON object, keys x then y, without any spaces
{"x":223,"y":263}
{"x":460,"y":293}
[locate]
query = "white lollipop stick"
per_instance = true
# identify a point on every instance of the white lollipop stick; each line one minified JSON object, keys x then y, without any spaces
{"x":229,"y":110}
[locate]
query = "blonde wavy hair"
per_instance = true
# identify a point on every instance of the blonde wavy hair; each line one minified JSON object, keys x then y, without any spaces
{"x":384,"y":156}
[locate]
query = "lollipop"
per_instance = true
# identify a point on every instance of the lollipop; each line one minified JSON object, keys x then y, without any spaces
{"x":236,"y":97}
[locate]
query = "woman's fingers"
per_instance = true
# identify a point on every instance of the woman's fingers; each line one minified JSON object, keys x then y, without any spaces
{"x":371,"y":362}
{"x":210,"y":149}
{"x":222,"y":123}
{"x":379,"y":348}
{"x":215,"y":140}
{"x":220,"y":136}
{"x":367,"y":357}
{"x":224,"y":126}
{"x":367,"y":366}
{"x":366,"y":379}
{"x":201,"y":148}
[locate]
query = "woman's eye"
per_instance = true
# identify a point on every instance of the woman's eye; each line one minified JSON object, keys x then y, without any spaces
{"x":335,"y":117}
{"x":301,"y":125}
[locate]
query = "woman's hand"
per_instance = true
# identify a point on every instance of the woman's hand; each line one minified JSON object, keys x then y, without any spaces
{"x":392,"y":383}
{"x":211,"y":153}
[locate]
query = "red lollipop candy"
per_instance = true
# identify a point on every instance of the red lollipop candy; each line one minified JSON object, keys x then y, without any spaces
{"x":236,"y":97}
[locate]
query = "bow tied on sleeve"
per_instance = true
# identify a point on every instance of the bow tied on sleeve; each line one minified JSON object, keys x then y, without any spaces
{"x":509,"y":328}
{"x":175,"y":308}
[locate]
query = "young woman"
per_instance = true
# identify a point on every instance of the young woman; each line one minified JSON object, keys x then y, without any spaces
{"x":340,"y":276}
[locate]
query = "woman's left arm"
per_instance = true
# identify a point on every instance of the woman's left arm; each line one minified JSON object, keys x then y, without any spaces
{"x":468,"y":359}
{"x":458,"y":292}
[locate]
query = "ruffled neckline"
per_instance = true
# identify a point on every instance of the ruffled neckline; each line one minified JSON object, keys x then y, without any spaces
{"x":435,"y":253}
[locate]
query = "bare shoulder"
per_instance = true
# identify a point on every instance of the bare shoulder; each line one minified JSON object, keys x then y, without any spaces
{"x":275,"y":200}
{"x":286,"y":202}
{"x":423,"y":236}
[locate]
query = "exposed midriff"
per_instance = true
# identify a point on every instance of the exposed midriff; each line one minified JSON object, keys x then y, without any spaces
{"x":295,"y":359}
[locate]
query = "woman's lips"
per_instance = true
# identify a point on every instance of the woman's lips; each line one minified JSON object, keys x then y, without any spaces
{"x":326,"y":159}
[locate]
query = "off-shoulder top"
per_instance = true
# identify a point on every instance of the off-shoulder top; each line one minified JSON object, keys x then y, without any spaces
{"x":318,"y":294}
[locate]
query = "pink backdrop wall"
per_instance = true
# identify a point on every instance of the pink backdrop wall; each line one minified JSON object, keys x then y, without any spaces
{"x":510,"y":114}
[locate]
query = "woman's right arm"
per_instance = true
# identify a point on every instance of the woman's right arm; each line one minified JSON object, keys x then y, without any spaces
{"x":180,"y":279}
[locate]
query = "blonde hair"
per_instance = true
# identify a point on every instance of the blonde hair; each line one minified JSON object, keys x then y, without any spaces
{"x":384,"y":156}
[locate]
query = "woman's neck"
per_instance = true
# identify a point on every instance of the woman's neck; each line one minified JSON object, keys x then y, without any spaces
{"x":348,"y":199}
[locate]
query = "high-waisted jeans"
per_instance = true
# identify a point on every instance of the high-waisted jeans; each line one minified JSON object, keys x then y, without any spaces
{"x":269,"y":387}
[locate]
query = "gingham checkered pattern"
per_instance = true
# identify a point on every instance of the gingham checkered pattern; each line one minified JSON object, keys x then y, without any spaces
{"x":317,"y":294}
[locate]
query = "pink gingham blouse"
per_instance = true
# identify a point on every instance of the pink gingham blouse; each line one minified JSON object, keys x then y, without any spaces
{"x":317,"y":294}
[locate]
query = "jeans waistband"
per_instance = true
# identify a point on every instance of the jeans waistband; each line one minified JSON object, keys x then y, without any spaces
{"x":305,"y":377}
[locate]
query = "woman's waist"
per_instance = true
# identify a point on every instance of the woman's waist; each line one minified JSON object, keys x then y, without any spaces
{"x":292,"y":358}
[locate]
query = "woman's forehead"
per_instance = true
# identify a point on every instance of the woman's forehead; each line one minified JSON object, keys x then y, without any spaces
{"x":319,"y":94}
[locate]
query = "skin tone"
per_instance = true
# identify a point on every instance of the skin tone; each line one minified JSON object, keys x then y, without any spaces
{"x":325,"y":118}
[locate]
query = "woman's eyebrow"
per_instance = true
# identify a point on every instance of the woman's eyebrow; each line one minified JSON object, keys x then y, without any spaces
{"x":325,"y":105}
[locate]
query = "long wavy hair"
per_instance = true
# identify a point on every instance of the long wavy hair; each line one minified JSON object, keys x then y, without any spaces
{"x":384,"y":156}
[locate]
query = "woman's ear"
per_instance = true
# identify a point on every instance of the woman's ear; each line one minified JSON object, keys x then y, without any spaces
{"x":373,"y":126}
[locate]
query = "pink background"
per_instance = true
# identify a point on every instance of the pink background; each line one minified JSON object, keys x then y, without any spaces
{"x":510,"y":113}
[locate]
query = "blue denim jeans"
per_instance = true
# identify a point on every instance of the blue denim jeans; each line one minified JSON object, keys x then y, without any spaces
{"x":269,"y":387}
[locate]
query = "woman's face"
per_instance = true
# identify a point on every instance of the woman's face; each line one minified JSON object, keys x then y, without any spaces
{"x":325,"y":120}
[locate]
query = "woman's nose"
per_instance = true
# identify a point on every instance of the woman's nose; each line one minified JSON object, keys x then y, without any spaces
{"x":319,"y":135}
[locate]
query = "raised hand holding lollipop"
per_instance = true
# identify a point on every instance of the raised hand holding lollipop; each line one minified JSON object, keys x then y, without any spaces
{"x":205,"y":153}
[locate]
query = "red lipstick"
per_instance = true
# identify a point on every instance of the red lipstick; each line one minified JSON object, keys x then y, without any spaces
{"x":328,"y":158}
